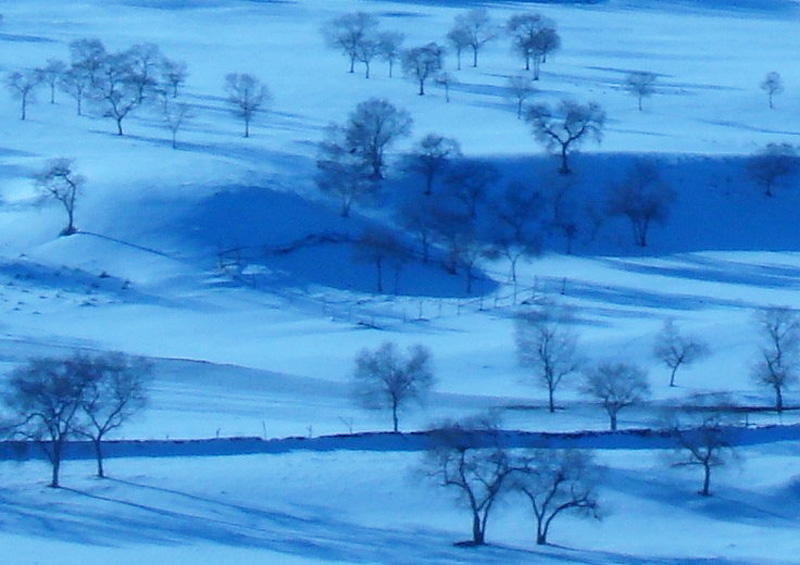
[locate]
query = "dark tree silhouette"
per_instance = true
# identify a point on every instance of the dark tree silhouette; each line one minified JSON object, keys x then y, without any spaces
{"x":247,"y":96}
{"x":385,"y":378}
{"x":774,"y":162}
{"x":22,"y":85}
{"x":347,"y":32}
{"x":431,"y":156}
{"x":641,"y":84}
{"x":566,"y":127}
{"x":371,"y":128}
{"x":422,"y":63}
{"x":772,"y":85}
{"x":616,"y":386}
{"x":59,"y":182}
{"x":675,"y":350}
{"x":778,"y":366}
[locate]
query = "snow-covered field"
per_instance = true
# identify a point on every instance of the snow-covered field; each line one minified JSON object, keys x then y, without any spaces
{"x":269,"y":352}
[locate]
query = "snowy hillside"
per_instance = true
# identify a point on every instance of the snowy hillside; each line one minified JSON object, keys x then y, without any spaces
{"x":222,"y":262}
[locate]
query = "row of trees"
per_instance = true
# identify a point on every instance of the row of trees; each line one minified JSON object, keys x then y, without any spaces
{"x":50,"y":400}
{"x":119,"y":83}
{"x":388,"y":379}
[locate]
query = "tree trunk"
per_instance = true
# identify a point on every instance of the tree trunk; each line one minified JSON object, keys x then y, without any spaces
{"x":778,"y":400}
{"x":672,"y":376}
{"x":56,"y":464}
{"x":474,"y":57}
{"x":366,"y":74}
{"x":613,"y":417}
{"x":395,"y":427}
{"x":706,"y":479}
{"x":564,"y":170}
{"x":98,"y":451}
{"x":379,"y":265}
{"x":421,"y":87}
{"x":478,"y":537}
{"x":119,"y":126}
{"x":24,"y":107}
{"x":551,"y":404}
{"x":247,"y":127}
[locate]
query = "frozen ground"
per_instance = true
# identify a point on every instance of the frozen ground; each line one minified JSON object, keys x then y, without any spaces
{"x":268,"y":352}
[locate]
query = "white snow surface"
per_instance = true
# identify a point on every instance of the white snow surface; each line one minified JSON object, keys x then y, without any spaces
{"x":265,"y":346}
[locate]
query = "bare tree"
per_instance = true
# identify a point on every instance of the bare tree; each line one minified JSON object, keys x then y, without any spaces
{"x":22,"y":85}
{"x":366,"y":51}
{"x":51,"y":74}
{"x":44,"y":398}
{"x":533,"y":36}
{"x":616,"y":386}
{"x":772,"y":85}
{"x":475,"y":26}
{"x":346,"y":33}
{"x":431,"y":156}
{"x":116,"y":88}
{"x":775,"y":161}
{"x":675,"y":350}
{"x":115,"y":389}
{"x":422,"y":63}
{"x":566,"y":127}
{"x":704,"y":437}
{"x":459,"y":38}
{"x":517,"y":231}
{"x":469,"y":181}
{"x":446,"y":80}
{"x":247,"y":96}
{"x":76,"y":82}
{"x":641,"y":84}
{"x":88,"y":56}
{"x":556,"y":482}
{"x":173,"y":75}
{"x":778,"y":366}
{"x":547,"y":345}
{"x":390,"y":44}
{"x":342,"y":172}
{"x":520,"y":88}
{"x":176,"y":114}
{"x":145,"y":63}
{"x":372,"y":127}
{"x":467,"y":457}
{"x":59,"y":182}
{"x":643,"y":198}
{"x":378,"y":246}
{"x":419,"y":215}
{"x":385,"y":378}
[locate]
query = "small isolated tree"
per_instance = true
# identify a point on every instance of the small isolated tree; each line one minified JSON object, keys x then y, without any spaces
{"x":421,"y":63}
{"x":778,"y":365}
{"x":390,"y":44}
{"x":176,"y":114}
{"x":643,"y":198}
{"x":772,"y":85}
{"x":446,"y":80}
{"x":703,"y":437}
{"x":566,"y":127}
{"x":115,"y":389}
{"x":347,"y":32}
{"x":674,"y":349}
{"x":51,"y":74}
{"x":247,"y":96}
{"x":372,"y":127}
{"x":44,"y":397}
{"x":556,"y":482}
{"x":385,"y":378}
{"x":59,"y":182}
{"x":547,"y":345}
{"x":774,"y":162}
{"x":520,"y":88}
{"x":476,"y":29}
{"x":22,"y":85}
{"x":640,"y":84}
{"x":467,"y":457}
{"x":342,"y":172}
{"x":616,"y":386}
{"x":431,"y":156}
